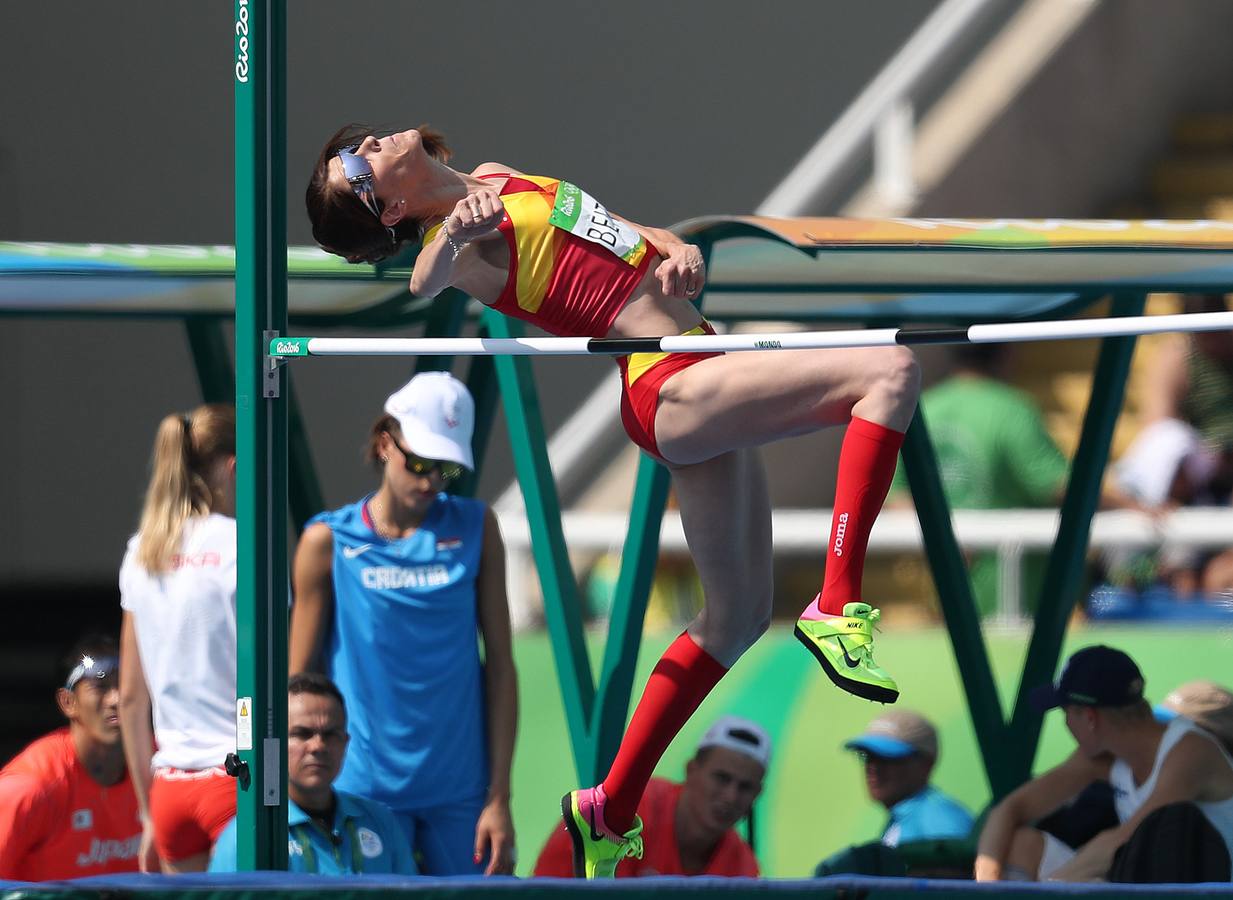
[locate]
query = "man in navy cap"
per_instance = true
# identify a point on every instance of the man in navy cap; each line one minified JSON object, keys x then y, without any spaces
{"x":1152,"y":767}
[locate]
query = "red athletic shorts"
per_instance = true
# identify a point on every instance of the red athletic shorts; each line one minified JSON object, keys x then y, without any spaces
{"x":189,"y":809}
{"x":642,"y":375}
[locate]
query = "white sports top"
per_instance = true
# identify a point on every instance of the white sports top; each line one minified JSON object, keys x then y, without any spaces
{"x":186,"y":634}
{"x":1128,"y":797}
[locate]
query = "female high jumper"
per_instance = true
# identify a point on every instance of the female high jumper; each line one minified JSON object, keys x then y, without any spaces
{"x":544,"y":251}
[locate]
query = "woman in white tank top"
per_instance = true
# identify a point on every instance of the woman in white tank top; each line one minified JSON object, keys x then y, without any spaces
{"x":178,"y":642}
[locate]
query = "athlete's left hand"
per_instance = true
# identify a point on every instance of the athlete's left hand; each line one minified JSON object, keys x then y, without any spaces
{"x":682,"y":273}
{"x":494,"y":838}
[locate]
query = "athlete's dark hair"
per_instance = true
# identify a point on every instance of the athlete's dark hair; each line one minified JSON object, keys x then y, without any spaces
{"x":341,"y":223}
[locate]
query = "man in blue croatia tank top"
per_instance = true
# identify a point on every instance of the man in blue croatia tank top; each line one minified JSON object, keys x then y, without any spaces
{"x":391,"y":594}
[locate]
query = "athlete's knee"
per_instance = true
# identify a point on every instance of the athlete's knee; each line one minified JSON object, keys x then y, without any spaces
{"x":899,"y":373}
{"x":756,"y":626}
{"x":727,"y":638}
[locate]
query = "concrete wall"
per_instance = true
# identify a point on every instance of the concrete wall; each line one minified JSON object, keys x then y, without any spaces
{"x":1079,"y":141}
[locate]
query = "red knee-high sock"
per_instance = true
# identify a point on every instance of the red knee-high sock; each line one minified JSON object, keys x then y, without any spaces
{"x":680,"y":680}
{"x":866,"y":467}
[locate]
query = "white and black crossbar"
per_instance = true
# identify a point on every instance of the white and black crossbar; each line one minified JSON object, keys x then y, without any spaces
{"x":1007,"y":332}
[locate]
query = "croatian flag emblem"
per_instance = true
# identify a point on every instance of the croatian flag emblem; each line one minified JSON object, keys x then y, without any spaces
{"x":449,"y":544}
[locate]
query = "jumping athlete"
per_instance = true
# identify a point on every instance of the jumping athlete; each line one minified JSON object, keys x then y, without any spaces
{"x":543,"y":250}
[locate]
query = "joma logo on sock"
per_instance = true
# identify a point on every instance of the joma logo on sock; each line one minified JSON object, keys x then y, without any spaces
{"x":840,"y":530}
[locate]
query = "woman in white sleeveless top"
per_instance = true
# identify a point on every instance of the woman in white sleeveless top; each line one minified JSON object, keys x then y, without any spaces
{"x":178,"y":641}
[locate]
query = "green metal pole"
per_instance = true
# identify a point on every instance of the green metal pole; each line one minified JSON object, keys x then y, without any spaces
{"x":482,"y":383}
{"x":639,"y":556}
{"x":1064,"y":572}
{"x":556,"y":577}
{"x":261,"y":434}
{"x":211,"y":360}
{"x":305,"y":495}
{"x":445,"y":318}
{"x":950,"y":577}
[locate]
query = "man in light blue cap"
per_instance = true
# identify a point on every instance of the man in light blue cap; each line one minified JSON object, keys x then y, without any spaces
{"x":899,"y":749}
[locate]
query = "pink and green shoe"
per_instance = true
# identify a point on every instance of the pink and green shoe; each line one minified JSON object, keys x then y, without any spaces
{"x":844,"y":646}
{"x":597,"y":848}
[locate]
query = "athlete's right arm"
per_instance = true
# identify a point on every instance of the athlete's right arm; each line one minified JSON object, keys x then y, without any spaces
{"x":1029,"y":803}
{"x":312,"y":581}
{"x":137,"y":734}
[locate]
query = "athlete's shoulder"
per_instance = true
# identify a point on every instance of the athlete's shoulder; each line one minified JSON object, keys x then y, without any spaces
{"x":342,"y":517}
{"x":489,"y":169}
{"x":468,"y":505}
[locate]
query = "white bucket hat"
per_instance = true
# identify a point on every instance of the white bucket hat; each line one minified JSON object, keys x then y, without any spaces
{"x":437,"y":416}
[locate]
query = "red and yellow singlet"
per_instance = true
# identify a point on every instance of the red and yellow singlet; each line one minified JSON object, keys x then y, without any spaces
{"x":572,"y":264}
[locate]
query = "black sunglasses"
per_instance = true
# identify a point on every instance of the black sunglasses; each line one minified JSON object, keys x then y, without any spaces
{"x":423,"y":466}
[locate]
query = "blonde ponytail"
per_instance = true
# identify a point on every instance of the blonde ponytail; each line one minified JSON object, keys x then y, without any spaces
{"x":185,"y":449}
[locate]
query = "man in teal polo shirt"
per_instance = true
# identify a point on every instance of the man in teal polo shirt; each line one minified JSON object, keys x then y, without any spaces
{"x":329,"y":832}
{"x":899,"y":749}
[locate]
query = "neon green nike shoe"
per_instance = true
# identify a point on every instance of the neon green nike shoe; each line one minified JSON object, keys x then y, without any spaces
{"x":844,"y":647}
{"x":597,"y":849}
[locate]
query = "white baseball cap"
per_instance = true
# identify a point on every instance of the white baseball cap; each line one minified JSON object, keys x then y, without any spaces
{"x":437,"y":416}
{"x":742,"y":736}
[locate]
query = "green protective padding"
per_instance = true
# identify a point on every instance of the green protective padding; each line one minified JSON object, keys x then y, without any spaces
{"x":289,"y":346}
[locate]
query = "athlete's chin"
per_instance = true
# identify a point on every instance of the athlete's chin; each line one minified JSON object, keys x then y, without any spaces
{"x":419,"y":501}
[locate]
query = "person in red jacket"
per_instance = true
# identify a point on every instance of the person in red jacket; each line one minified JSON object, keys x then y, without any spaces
{"x":67,"y":807}
{"x":688,"y":828}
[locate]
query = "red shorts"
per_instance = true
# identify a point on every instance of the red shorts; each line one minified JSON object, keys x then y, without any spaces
{"x":189,"y":808}
{"x":642,"y":375}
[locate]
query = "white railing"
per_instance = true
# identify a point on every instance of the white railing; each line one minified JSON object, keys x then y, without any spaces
{"x":1008,"y":532}
{"x":880,"y":120}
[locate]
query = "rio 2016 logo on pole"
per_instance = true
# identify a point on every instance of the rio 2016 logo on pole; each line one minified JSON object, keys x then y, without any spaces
{"x":241,"y":46}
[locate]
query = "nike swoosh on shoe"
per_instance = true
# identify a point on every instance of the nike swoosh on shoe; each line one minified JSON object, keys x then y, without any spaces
{"x":848,"y":660}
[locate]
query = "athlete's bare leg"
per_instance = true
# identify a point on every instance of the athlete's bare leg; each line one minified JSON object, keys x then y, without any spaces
{"x":726,"y":514}
{"x":742,"y":400}
{"x":749,"y":399}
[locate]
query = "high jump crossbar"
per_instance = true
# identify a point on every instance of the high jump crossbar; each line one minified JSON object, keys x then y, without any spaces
{"x":1007,"y":332}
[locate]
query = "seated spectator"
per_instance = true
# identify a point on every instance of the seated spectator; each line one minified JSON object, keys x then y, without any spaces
{"x":899,"y":750}
{"x":1095,"y":809}
{"x":67,"y":807}
{"x":1184,"y":454}
{"x":1192,"y":381}
{"x":687,"y":829}
{"x":1205,"y":703}
{"x":1175,"y":781}
{"x":331,"y":832}
{"x":1166,"y":466}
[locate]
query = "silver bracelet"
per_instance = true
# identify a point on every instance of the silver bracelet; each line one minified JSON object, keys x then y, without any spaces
{"x":456,"y":247}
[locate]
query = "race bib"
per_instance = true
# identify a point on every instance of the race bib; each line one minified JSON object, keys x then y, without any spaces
{"x":582,"y":215}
